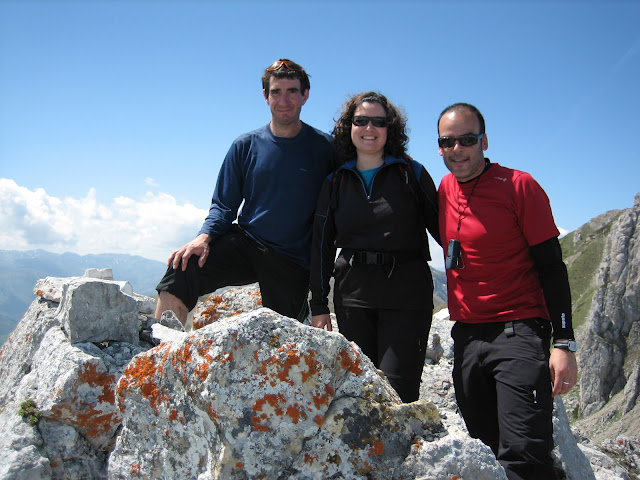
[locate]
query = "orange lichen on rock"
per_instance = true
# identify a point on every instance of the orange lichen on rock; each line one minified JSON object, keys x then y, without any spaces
{"x":204,"y":346}
{"x":323,"y":399}
{"x":39,"y":293}
{"x":310,"y":459}
{"x":348,"y":363}
{"x":377,"y":448}
{"x":201,"y":371}
{"x":86,"y":417}
{"x":84,"y":412}
{"x":259,"y":413}
{"x":225,"y":357}
{"x":295,"y":412}
{"x":210,"y":313}
{"x":183,"y":358}
{"x":141,"y":373}
{"x":212,"y":412}
{"x":89,"y":375}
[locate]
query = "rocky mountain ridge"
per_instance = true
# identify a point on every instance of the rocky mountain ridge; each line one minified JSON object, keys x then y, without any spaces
{"x":248,"y":394}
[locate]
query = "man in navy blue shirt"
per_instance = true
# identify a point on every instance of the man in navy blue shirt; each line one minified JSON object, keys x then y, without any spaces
{"x":277,"y":171}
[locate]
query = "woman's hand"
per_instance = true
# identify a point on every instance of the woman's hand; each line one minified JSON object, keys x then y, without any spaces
{"x":321,"y":321}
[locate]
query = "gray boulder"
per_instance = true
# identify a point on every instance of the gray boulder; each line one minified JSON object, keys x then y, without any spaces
{"x":250,"y":394}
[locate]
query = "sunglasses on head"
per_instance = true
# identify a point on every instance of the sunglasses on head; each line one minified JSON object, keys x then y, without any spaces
{"x":376,"y":121}
{"x":464,"y":140}
{"x":288,"y":64}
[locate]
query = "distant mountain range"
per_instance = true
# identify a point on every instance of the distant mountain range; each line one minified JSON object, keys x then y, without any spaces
{"x":19,"y":272}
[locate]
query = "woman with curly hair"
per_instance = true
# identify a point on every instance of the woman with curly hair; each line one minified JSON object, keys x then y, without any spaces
{"x":375,"y":209}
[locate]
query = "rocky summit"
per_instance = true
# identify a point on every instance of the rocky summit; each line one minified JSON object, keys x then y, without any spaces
{"x":95,"y":388}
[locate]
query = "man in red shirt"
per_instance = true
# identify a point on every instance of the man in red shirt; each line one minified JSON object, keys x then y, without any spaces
{"x":508,"y":292}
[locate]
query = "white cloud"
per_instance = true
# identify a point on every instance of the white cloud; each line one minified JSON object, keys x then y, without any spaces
{"x":151,"y":182}
{"x":151,"y":227}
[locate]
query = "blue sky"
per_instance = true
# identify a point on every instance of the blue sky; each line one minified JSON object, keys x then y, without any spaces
{"x":116,"y":115}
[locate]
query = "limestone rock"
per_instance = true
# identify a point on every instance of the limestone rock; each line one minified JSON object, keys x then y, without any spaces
{"x":99,"y":273}
{"x":226,"y":303}
{"x":250,"y":395}
{"x":608,"y":355}
{"x":96,"y":311}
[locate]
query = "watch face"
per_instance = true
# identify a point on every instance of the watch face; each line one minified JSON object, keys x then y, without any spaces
{"x":573,"y":345}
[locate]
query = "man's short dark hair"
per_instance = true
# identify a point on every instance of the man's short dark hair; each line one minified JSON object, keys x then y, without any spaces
{"x":285,"y":68}
{"x":461,"y":106}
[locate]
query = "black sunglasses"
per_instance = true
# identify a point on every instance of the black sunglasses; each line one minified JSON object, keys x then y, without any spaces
{"x":465,"y":140}
{"x":364,"y":121}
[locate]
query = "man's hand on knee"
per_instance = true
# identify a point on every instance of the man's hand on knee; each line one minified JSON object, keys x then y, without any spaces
{"x":198,"y":246}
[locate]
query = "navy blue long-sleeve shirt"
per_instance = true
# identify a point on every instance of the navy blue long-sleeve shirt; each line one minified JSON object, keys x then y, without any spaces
{"x":278,"y":179}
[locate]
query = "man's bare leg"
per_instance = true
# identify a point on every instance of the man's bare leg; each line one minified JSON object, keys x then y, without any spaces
{"x":168,"y":301}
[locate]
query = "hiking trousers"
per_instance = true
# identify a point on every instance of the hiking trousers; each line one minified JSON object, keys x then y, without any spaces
{"x":237,"y":259}
{"x":394,"y":340}
{"x":503,"y":390}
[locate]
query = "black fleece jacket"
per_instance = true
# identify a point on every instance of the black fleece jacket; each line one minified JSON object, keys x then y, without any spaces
{"x":391,"y":219}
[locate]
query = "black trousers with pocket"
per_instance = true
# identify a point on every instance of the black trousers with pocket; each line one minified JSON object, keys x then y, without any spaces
{"x":503,"y":390}
{"x":237,"y":259}
{"x":394,"y":340}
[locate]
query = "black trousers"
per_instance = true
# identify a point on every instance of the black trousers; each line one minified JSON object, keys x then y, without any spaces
{"x":503,"y":390}
{"x":394,"y":340}
{"x":237,"y":259}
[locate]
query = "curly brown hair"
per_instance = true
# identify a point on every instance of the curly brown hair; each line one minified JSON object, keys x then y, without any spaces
{"x":397,"y":138}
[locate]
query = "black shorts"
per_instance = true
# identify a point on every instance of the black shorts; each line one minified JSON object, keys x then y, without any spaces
{"x":236,"y":259}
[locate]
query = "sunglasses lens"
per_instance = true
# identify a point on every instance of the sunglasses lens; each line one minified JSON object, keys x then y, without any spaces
{"x":379,"y":122}
{"x":446,"y":142}
{"x":360,"y":121}
{"x":468,"y":140}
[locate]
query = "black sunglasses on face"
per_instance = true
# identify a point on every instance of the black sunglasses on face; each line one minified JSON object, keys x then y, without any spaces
{"x":364,"y":121}
{"x":464,"y":140}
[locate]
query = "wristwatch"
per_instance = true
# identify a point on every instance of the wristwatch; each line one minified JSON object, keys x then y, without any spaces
{"x":570,"y":345}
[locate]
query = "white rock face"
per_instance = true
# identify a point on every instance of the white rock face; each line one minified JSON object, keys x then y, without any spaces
{"x":250,"y":394}
{"x":609,"y":342}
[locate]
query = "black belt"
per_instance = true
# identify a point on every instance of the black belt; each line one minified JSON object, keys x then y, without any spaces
{"x":365,"y":257}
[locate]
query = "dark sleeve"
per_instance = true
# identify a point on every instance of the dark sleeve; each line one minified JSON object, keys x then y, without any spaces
{"x":430,"y":208}
{"x":323,"y":251}
{"x":547,"y":257}
{"x":227,"y":196}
